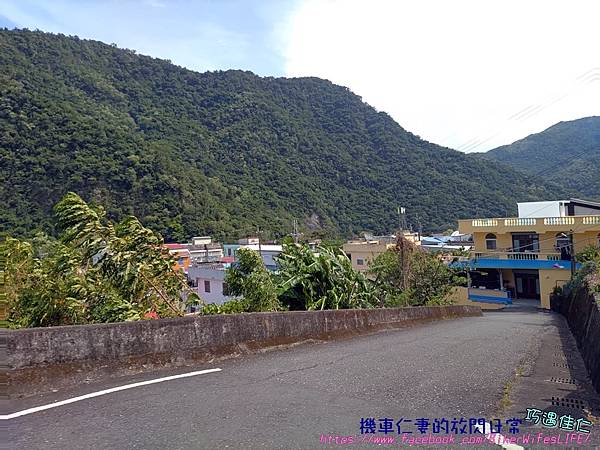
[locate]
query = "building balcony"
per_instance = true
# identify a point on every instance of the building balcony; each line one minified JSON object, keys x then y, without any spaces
{"x":527,"y":256}
{"x":526,"y":224}
{"x":511,"y":260}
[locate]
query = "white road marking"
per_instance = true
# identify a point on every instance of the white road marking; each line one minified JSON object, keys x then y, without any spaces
{"x":104,"y":392}
{"x":486,"y":430}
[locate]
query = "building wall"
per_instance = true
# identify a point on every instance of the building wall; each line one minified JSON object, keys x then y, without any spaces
{"x":547,"y":240}
{"x":581,"y":210}
{"x":182,"y":259}
{"x":587,"y":238}
{"x":183,"y":262}
{"x":549,"y":279}
{"x":542,"y":209}
{"x":460,"y":296}
{"x":230,"y":250}
{"x":215,"y":278}
{"x":269,"y":258}
{"x":364,"y":252}
{"x":268,"y":252}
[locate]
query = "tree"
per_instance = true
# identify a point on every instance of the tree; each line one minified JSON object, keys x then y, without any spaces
{"x":430,"y":279}
{"x":391,"y":269}
{"x":97,"y":271}
{"x":218,"y":152}
{"x":321,"y":280}
{"x":589,"y":253}
{"x":409,"y":275}
{"x":250,"y":279}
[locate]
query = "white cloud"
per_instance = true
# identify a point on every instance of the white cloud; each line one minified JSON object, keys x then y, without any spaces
{"x":464,"y":73}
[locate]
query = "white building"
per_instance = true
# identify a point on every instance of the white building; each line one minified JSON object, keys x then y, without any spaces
{"x":268,"y":253}
{"x":204,"y":250}
{"x":209,"y":282}
{"x":557,"y":208}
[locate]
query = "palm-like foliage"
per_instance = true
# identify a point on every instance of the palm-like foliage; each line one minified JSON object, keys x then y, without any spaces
{"x":96,"y":272}
{"x":323,"y":280}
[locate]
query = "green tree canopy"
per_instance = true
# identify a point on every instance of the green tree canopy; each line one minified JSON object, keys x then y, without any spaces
{"x":323,"y":279}
{"x":250,"y":279}
{"x":97,"y":271}
{"x":219,"y":153}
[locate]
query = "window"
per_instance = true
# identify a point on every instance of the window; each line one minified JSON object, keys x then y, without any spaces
{"x":563,"y":246}
{"x":225,"y":289}
{"x":562,"y":240}
{"x":526,"y":242}
{"x":206,"y":286}
{"x":228,"y":252}
{"x":360,"y":262}
{"x":490,"y":241}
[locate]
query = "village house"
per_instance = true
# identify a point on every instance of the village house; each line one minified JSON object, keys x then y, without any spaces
{"x":527,"y":257}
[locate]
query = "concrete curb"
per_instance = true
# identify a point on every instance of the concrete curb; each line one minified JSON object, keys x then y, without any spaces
{"x":41,"y":359}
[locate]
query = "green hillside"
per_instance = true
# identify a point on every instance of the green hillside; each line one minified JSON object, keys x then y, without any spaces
{"x":219,"y":153}
{"x":567,"y":153}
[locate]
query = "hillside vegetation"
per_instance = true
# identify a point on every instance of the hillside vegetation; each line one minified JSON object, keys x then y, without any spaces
{"x":219,"y":153}
{"x":567,"y":153}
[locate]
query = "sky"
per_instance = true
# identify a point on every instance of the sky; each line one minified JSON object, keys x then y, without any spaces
{"x":467,"y":74}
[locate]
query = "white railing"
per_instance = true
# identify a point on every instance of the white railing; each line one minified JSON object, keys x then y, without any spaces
{"x":559,"y":221}
{"x":528,"y":256}
{"x":591,"y":220}
{"x":484,"y":222}
{"x":518,"y":222}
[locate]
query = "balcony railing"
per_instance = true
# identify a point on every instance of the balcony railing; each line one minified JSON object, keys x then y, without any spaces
{"x":485,"y":222}
{"x":559,"y":221}
{"x":528,"y":256}
{"x":591,"y":220}
{"x":520,"y":222}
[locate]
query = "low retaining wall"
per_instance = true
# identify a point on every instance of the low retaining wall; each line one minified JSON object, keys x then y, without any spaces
{"x":40,"y":359}
{"x":582,"y":310}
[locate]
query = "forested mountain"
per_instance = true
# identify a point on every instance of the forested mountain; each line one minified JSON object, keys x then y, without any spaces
{"x":219,"y":153}
{"x":567,"y":153}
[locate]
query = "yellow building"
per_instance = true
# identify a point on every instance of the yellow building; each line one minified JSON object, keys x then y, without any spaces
{"x":527,"y":257}
{"x":361,"y":252}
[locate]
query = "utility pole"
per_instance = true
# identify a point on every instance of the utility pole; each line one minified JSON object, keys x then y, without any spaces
{"x":295,"y":234}
{"x":402,"y":218}
{"x":399,"y":220}
{"x":572,"y":252}
{"x":259,"y":244}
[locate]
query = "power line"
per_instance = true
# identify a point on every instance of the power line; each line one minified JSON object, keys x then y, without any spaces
{"x":568,"y":233}
{"x":588,"y":77}
{"x":560,"y":163}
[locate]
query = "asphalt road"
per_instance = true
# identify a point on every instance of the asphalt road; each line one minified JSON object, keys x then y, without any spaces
{"x":288,"y":398}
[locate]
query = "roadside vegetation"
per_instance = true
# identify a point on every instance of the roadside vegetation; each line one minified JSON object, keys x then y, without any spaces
{"x":96,"y":271}
{"x":588,"y":276}
{"x":324,"y":279}
{"x":99,"y":271}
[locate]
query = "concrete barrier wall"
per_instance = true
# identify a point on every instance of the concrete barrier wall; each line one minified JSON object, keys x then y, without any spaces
{"x":582,"y":310}
{"x":43,"y":358}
